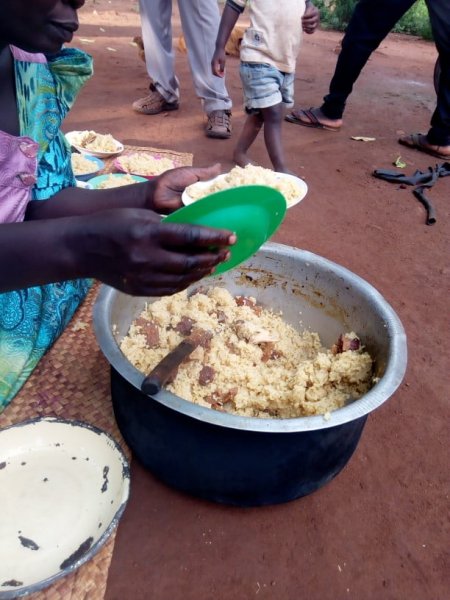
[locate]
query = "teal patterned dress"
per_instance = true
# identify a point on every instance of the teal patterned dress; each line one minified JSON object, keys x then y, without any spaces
{"x":32,"y":319}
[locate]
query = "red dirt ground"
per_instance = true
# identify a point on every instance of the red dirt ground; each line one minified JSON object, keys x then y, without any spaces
{"x":381,"y":528}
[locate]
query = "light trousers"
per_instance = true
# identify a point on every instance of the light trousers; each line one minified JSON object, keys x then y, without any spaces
{"x":200,"y":22}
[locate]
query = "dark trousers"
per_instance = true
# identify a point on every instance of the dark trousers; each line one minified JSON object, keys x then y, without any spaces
{"x":370,"y":23}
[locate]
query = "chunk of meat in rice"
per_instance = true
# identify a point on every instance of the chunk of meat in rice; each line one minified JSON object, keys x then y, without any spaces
{"x":269,"y":352}
{"x":202,"y":337}
{"x":221,"y":316}
{"x":253,"y":333}
{"x":151,"y":331}
{"x":206,"y":375}
{"x":345,"y":343}
{"x":251,"y":302}
{"x":185,"y":326}
{"x":219,"y":400}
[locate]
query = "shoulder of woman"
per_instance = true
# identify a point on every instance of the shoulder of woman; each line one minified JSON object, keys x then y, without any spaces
{"x":28,"y":57}
{"x":68,"y":61}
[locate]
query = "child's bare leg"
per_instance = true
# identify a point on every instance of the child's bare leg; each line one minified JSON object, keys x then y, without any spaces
{"x":273,"y":119}
{"x":252,"y":126}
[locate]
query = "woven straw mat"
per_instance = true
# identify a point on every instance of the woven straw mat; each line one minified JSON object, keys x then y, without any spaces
{"x":72,"y":382}
{"x":180,"y":159}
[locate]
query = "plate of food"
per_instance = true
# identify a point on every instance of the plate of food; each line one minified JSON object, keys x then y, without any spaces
{"x":144,"y":164}
{"x":85,"y":166}
{"x":252,"y":212}
{"x":64,"y":487}
{"x":102,"y":145}
{"x":293,"y":188}
{"x":112,"y":180}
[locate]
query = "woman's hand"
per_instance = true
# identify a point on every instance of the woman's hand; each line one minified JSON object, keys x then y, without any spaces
{"x":168,"y":187}
{"x":132,"y":251}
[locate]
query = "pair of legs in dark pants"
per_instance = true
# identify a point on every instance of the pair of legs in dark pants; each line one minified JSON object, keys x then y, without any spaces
{"x":370,"y":23}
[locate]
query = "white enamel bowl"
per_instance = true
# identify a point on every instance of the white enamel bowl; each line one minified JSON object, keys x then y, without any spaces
{"x":64,"y":485}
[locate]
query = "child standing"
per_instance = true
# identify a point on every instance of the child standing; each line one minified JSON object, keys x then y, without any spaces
{"x":268,"y":55}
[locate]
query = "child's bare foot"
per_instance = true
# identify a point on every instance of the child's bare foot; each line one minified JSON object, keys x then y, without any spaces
{"x":282,"y":168}
{"x":242,"y":159}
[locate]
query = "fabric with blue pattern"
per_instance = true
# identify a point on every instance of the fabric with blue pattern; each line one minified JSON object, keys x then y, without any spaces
{"x":32,"y":319}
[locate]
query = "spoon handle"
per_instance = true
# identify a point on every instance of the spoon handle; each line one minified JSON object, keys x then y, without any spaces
{"x":160,"y":374}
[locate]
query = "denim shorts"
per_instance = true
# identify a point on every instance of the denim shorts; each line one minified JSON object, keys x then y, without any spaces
{"x":264,"y":86}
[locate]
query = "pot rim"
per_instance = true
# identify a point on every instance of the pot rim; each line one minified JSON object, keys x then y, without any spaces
{"x":375,"y":397}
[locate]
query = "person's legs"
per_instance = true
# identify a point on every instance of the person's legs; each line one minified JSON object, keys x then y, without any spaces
{"x":370,"y":23}
{"x":266,"y":93}
{"x":252,"y":127}
{"x":273,"y":118}
{"x":156,"y":24}
{"x":437,"y":141}
{"x":439,"y":134}
{"x":200,"y":23}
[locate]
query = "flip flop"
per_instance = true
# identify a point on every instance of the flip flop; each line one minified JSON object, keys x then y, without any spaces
{"x":418,"y":142}
{"x":314,"y":122}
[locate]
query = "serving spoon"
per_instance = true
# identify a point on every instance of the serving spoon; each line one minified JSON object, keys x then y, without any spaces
{"x":163,"y":371}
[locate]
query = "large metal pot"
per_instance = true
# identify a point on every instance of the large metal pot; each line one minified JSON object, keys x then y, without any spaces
{"x":249,"y":461}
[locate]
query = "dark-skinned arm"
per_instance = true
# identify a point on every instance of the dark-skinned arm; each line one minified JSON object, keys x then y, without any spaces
{"x":129,"y":249}
{"x":311,"y":18}
{"x":162,"y":195}
{"x":230,"y":15}
{"x":75,"y":201}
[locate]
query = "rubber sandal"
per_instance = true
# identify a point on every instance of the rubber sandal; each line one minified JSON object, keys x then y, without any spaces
{"x":417,"y":141}
{"x":314,"y":122}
